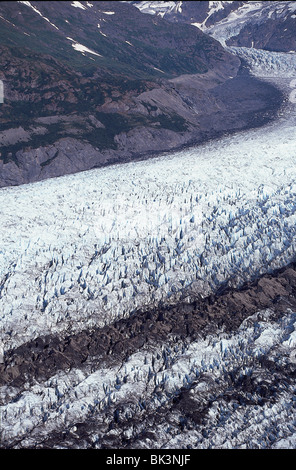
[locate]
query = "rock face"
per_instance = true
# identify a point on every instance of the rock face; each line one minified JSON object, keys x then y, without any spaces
{"x":204,"y":14}
{"x":72,"y":105}
{"x":272,"y":30}
{"x":267,"y":25}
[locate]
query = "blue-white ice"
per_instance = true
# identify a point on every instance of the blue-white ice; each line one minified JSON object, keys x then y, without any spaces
{"x":254,"y":13}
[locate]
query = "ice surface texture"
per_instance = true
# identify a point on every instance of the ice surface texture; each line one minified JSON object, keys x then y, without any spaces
{"x":84,"y":250}
{"x":232,"y":390}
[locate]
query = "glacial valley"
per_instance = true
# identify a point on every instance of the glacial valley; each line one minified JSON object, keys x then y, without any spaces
{"x":152,"y":304}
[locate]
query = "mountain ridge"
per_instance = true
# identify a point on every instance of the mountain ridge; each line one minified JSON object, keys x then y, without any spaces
{"x":80,"y":97}
{"x":267,"y":25}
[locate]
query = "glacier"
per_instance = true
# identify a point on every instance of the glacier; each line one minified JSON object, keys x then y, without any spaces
{"x":84,"y":251}
{"x":249,"y":13}
{"x":144,"y":384}
{"x":268,"y":65}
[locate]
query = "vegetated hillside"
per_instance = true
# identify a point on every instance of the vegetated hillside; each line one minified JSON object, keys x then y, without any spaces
{"x":104,"y":28}
{"x":88,"y":84}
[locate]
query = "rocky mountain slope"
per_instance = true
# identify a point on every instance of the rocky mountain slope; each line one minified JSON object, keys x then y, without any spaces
{"x":94,"y":83}
{"x":266,"y":25}
{"x":204,"y":14}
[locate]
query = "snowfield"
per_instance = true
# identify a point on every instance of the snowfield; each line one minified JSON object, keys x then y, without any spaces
{"x":84,"y":250}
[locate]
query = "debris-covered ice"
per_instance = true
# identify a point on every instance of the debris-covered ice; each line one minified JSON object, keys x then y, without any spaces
{"x":215,"y":372}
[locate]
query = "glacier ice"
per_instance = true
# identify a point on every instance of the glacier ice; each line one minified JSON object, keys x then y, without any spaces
{"x":254,"y":13}
{"x":86,"y":249}
{"x":149,"y":379}
{"x":267,"y":64}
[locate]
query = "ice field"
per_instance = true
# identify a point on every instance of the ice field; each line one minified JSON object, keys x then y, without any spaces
{"x":84,"y":250}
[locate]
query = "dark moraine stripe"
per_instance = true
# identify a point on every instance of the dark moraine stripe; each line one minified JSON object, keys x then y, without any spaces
{"x":43,"y":357}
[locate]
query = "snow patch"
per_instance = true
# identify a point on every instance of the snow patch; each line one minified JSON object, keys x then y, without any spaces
{"x":80,"y":48}
{"x":78,"y":5}
{"x":39,"y":13}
